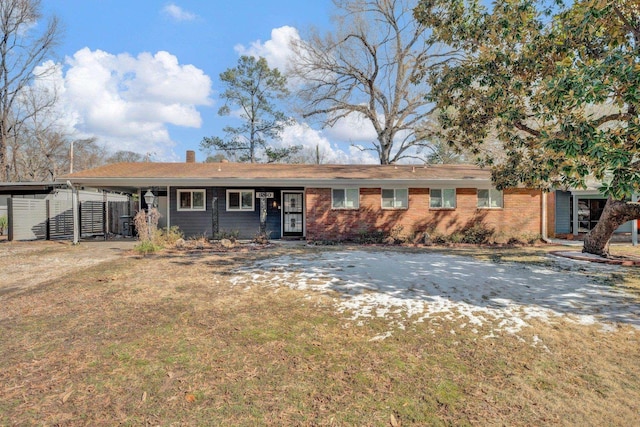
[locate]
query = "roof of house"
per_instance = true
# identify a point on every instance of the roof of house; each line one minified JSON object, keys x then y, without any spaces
{"x":149,"y":173}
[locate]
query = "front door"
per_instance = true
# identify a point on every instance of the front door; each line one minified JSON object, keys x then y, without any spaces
{"x":292,"y":214}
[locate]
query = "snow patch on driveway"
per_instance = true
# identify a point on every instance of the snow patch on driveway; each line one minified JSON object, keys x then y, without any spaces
{"x":414,"y":287}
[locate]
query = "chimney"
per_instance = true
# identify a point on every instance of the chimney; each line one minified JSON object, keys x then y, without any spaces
{"x":191,"y":156}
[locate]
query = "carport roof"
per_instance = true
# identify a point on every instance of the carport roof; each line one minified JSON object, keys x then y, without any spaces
{"x":149,"y":173}
{"x":33,"y":187}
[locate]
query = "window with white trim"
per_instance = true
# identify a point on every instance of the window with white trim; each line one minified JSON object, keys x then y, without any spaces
{"x":395,"y":198}
{"x":191,"y":200}
{"x":442,"y":198}
{"x":240,"y":200}
{"x":345,"y":198}
{"x":490,"y":198}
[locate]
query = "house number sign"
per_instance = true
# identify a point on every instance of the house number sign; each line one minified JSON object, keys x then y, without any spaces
{"x":264,"y":195}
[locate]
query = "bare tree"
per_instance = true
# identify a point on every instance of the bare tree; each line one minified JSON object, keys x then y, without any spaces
{"x":309,"y":155}
{"x":124,"y":156}
{"x":22,"y":50}
{"x":371,"y":66}
{"x":38,"y":148}
{"x":41,"y":156}
{"x":88,"y":154}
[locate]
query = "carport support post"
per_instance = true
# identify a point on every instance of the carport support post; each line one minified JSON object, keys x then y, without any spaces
{"x":263,"y":216}
{"x":76,"y":217}
{"x":105,"y":214}
{"x":10,"y":218}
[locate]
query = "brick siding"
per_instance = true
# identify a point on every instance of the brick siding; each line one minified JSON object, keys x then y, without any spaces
{"x":521,"y":214}
{"x":551,"y":214}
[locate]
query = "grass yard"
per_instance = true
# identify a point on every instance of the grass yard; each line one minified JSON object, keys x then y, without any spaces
{"x":181,"y":338}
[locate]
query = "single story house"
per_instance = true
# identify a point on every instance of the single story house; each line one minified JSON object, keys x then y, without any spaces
{"x":339,"y":202}
{"x":321,"y":202}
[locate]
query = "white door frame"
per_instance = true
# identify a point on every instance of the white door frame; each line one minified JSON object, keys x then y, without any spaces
{"x":282,"y":212}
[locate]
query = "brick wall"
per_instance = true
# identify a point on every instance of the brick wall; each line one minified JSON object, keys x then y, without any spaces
{"x":521,"y":214}
{"x":551,"y":214}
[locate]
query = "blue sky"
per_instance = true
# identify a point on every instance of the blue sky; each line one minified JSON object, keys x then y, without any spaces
{"x":143,"y":75}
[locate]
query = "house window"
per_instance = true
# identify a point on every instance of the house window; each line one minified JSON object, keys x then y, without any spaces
{"x":395,"y":198}
{"x":589,"y":213}
{"x":240,"y":200}
{"x":345,"y":198}
{"x":491,"y":198}
{"x":442,"y":198}
{"x":191,"y":200}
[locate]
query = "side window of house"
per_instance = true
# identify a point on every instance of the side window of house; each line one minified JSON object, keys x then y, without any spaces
{"x":442,"y":198}
{"x":240,"y":200}
{"x":345,"y":198}
{"x":191,"y":200}
{"x":491,"y":198}
{"x":397,"y":198}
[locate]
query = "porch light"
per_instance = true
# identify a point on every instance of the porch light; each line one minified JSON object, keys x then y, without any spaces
{"x":149,"y":198}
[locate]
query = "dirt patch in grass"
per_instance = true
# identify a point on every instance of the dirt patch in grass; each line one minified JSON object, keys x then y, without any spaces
{"x":169,"y":339}
{"x":28,"y":264}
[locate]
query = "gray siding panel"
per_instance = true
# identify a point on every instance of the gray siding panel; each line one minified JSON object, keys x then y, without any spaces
{"x":192,"y":223}
{"x":563,"y":212}
{"x":274,"y":219}
{"x":218,"y":219}
{"x":627,"y":227}
{"x":247,"y":224}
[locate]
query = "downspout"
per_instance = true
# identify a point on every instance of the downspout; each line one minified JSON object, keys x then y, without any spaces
{"x":545,"y":233}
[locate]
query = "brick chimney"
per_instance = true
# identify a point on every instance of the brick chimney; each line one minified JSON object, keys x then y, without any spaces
{"x":191,"y":156}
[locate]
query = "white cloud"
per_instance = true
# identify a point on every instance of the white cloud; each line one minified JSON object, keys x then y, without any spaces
{"x":128,"y":102}
{"x":354,"y":128}
{"x":315,"y":141}
{"x":277,"y":50}
{"x":177,"y":13}
{"x":358,"y":155}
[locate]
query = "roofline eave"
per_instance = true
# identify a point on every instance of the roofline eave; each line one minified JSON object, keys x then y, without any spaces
{"x":279,"y":182}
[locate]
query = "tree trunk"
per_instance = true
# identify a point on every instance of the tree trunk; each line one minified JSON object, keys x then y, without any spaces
{"x":615,"y":214}
{"x":4,"y":162}
{"x":385,"y":149}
